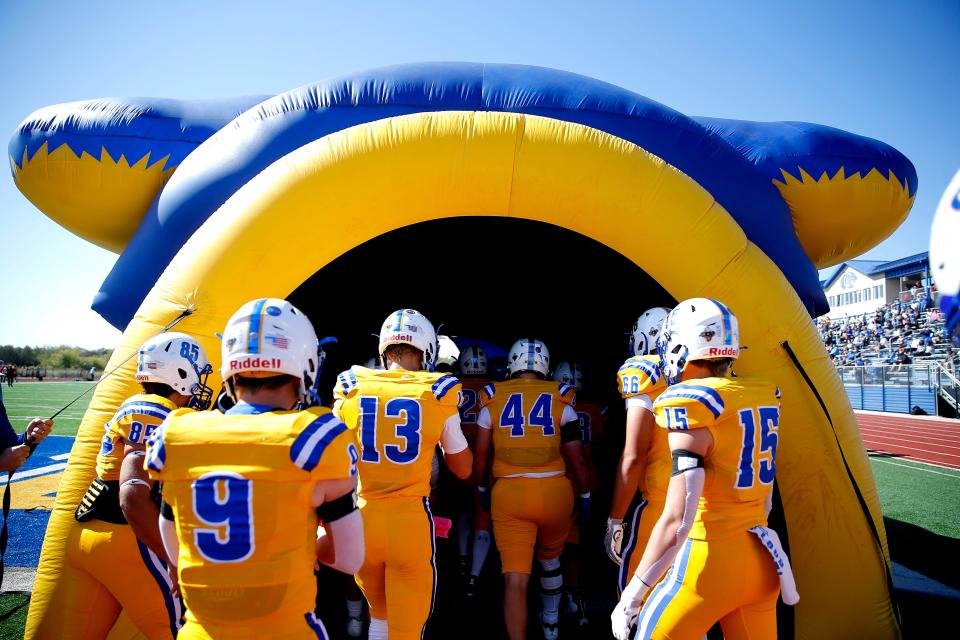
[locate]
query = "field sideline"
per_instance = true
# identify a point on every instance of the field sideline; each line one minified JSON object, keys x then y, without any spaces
{"x":921,"y":506}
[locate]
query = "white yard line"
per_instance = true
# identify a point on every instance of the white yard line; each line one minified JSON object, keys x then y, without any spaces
{"x":907,"y":466}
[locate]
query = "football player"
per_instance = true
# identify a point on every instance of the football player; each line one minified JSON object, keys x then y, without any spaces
{"x":531,"y":427}
{"x":243,"y":491}
{"x":592,"y":416}
{"x":724,"y":561}
{"x":397,"y":417}
{"x":944,"y":238}
{"x":117,"y":549}
{"x":640,"y":485}
{"x":473,"y":370}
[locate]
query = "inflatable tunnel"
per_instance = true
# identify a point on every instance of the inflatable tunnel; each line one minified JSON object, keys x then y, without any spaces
{"x":500,"y":200}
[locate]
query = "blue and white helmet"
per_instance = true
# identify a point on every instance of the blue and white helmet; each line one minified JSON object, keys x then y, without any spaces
{"x":645,"y":329}
{"x":177,"y":360}
{"x":528,"y":354}
{"x":697,"y":329}
{"x":569,"y":373}
{"x":473,"y":361}
{"x":407,"y":326}
{"x":945,"y":256}
{"x":270,"y":337}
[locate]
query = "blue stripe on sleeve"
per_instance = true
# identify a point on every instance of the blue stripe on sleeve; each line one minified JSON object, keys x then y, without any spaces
{"x":307,"y":450}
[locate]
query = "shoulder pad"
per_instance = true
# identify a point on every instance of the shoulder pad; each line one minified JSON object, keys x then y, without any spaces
{"x":444,"y":384}
{"x":308,"y":447}
{"x":487,"y":393}
{"x":135,"y":406}
{"x":567,"y":393}
{"x":346,"y":384}
{"x":697,"y":394}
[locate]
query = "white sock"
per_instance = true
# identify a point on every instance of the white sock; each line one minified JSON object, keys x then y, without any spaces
{"x":464,"y":527}
{"x":377,"y":630}
{"x":354,"y":608}
{"x":551,"y":586}
{"x":481,"y":546}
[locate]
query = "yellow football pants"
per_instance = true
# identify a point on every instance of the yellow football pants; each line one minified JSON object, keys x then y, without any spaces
{"x":528,"y":513}
{"x":642,"y":518}
{"x":732,"y":581}
{"x":399,"y":576}
{"x":113,"y":571}
{"x":308,"y":627}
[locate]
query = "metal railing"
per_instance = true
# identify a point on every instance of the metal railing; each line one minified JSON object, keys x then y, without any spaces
{"x":948,"y":386}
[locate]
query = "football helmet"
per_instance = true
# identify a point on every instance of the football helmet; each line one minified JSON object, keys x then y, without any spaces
{"x":373,"y":363}
{"x":697,"y":329}
{"x":177,"y":360}
{"x":528,"y":354}
{"x":945,"y":258}
{"x":473,"y":361}
{"x":643,"y":338}
{"x":569,"y":373}
{"x":406,"y":326}
{"x":448,"y":353}
{"x":269,"y":337}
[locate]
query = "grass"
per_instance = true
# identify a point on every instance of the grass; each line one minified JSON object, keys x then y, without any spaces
{"x":27,"y":400}
{"x":921,"y":494}
{"x":13,"y":615}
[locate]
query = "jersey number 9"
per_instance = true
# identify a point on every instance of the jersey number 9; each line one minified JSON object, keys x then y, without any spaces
{"x":225,"y":501}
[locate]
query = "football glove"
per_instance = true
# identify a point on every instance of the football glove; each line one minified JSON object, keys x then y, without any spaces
{"x":613,"y":539}
{"x":625,"y":614}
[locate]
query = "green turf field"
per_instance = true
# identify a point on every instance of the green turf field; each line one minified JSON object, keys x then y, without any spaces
{"x":26,"y":400}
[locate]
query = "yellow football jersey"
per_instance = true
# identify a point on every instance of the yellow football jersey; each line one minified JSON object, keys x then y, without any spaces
{"x":397,"y":419}
{"x":640,"y":376}
{"x":135,"y":421}
{"x":526,"y":418}
{"x":743,"y":416}
{"x":240,"y":486}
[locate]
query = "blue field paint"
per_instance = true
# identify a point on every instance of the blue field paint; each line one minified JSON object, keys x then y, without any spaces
{"x":27,"y":526}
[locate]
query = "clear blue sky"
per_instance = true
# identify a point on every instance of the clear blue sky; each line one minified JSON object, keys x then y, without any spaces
{"x":883,"y":69}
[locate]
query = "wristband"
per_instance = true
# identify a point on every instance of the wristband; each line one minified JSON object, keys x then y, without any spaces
{"x":585,"y":495}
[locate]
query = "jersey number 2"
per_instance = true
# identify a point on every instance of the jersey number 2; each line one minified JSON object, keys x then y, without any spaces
{"x":409,"y":429}
{"x":769,"y":419}
{"x":224,"y":500}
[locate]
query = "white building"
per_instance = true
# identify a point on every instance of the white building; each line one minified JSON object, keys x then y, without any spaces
{"x":861,"y":286}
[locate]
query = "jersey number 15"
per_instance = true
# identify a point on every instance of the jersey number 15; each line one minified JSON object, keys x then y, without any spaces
{"x":761,"y":466}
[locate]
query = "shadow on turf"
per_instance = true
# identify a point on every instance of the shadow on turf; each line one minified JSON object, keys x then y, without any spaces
{"x":916,"y":548}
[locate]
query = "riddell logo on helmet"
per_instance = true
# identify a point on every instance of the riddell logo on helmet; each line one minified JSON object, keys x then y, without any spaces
{"x":256,"y":363}
{"x":401,"y":337}
{"x":723,"y":352}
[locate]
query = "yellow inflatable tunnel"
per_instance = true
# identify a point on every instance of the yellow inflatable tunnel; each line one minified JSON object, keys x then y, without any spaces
{"x":506,"y":222}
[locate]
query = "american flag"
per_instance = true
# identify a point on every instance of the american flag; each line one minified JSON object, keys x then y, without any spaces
{"x":280,"y":342}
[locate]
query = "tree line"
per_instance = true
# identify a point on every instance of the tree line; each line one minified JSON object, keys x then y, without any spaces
{"x":60,"y":357}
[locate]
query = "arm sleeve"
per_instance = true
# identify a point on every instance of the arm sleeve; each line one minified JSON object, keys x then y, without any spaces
{"x":569,"y":415}
{"x":451,"y":439}
{"x":483,"y":420}
{"x":642,"y":401}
